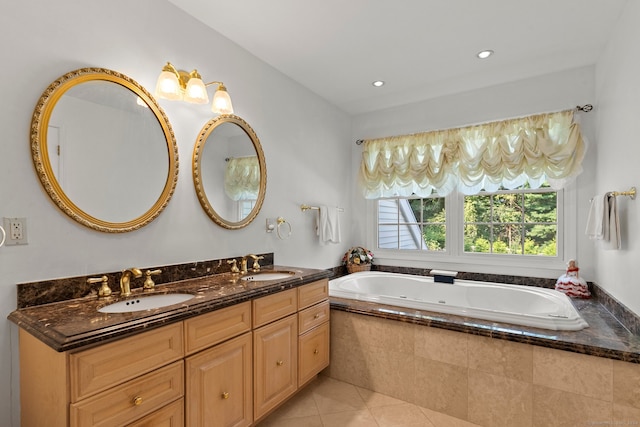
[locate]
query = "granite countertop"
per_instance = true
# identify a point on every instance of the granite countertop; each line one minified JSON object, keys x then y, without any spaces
{"x":76,"y":323}
{"x":605,"y":336}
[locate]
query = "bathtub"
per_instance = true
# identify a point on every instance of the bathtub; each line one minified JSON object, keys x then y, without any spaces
{"x":521,"y":305}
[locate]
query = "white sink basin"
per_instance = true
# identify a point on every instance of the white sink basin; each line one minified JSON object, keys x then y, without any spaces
{"x":263,"y":277}
{"x":147,"y":302}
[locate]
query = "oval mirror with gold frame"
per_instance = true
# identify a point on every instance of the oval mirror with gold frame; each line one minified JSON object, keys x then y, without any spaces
{"x":104,"y":150}
{"x":229,"y":171}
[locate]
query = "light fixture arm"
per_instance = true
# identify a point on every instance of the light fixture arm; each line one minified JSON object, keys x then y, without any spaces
{"x":220,"y":85}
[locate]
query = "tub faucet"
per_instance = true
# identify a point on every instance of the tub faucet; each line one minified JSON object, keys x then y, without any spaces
{"x":255,"y":267}
{"x":125,"y":280}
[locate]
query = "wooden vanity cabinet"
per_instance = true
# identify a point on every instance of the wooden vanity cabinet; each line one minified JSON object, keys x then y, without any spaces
{"x":313,"y":327}
{"x":275,"y":350}
{"x":113,"y":384}
{"x":219,"y":378}
{"x":227,"y":368}
{"x":290,"y":341}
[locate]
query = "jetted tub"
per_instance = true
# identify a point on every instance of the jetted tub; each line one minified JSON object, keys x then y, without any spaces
{"x":521,"y":305}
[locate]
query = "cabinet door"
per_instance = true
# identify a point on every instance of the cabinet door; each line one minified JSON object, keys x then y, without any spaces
{"x":218,"y":389}
{"x":275,"y":364}
{"x":313,"y":353}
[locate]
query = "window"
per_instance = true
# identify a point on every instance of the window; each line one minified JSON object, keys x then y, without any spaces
{"x":412,"y":223}
{"x":514,"y":228}
{"x":507,"y":222}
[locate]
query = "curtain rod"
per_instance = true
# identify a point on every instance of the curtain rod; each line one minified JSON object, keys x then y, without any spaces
{"x":584,"y":108}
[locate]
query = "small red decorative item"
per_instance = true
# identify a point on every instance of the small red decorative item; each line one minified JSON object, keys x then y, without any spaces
{"x":572,"y":284}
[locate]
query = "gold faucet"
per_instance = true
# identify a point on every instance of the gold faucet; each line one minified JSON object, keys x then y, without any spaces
{"x":125,"y":284}
{"x":105,"y":290}
{"x":149,"y":284}
{"x":255,"y":267}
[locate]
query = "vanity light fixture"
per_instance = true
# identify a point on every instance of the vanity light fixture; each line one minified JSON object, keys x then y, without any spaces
{"x":178,"y":85}
{"x":484,"y":54}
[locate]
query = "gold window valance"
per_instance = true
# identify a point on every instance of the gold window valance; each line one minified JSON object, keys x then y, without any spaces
{"x":509,"y":153}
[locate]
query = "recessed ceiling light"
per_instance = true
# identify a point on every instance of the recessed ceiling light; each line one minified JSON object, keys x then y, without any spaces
{"x":378,"y":83}
{"x":484,"y":54}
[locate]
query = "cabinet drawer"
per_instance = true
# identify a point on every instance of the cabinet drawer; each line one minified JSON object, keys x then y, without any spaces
{"x":273,"y":307}
{"x":313,"y":353}
{"x":213,"y":328}
{"x":313,"y":293}
{"x":129,"y":402}
{"x":169,"y":416}
{"x":110,"y":364}
{"x":313,"y":316}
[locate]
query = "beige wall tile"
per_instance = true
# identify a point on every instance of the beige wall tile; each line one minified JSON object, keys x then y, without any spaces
{"x":391,"y":373}
{"x":555,"y":408}
{"x":441,"y":387}
{"x":368,"y":331}
{"x":626,"y":383}
{"x":441,"y":345}
{"x":625,"y":416}
{"x":576,"y":373}
{"x":496,"y":401}
{"x":348,"y":362}
{"x":501,"y":357}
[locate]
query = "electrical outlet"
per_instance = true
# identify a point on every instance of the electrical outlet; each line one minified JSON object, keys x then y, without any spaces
{"x":16,"y":229}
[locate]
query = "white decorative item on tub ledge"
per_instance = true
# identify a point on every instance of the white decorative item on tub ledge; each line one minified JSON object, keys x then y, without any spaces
{"x":517,"y":304}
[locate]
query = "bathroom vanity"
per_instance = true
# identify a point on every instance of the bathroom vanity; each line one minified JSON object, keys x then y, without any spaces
{"x":228,"y":357}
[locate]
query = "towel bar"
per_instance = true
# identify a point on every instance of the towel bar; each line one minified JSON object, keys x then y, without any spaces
{"x":307,"y":207}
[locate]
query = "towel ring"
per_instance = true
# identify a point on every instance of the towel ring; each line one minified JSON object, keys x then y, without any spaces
{"x":282,"y":221}
{"x":4,"y":236}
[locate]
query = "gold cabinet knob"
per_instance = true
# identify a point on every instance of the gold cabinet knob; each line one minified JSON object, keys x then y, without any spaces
{"x":315,"y":351}
{"x":280,"y":362}
{"x":317,"y":316}
{"x":225,"y":395}
{"x":137,"y":401}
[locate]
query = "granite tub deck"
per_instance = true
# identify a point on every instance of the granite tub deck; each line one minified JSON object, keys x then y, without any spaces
{"x":605,"y":336}
{"x":75,"y":323}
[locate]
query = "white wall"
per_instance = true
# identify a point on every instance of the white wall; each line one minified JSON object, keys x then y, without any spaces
{"x":305,"y":140}
{"x":617,"y":95}
{"x":551,"y":92}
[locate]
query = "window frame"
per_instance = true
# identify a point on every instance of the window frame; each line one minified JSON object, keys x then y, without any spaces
{"x":454,"y":257}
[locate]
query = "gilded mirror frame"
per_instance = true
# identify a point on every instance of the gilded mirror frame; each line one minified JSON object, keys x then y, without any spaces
{"x":40,"y":155}
{"x":206,"y":131}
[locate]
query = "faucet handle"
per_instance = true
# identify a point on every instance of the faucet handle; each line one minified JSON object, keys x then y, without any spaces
{"x":234,"y":265}
{"x":104,"y":290}
{"x":148,"y":282}
{"x":256,"y":264}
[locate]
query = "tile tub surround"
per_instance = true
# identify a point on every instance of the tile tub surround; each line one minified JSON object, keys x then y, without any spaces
{"x":485,"y":381}
{"x":76,"y":323}
{"x":56,"y":290}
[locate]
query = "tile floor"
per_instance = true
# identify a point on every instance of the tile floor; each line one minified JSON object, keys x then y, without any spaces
{"x":326,"y":402}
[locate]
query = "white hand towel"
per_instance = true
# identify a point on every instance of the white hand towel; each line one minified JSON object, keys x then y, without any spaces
{"x":598,"y":219}
{"x":329,"y":225}
{"x":613,"y":226}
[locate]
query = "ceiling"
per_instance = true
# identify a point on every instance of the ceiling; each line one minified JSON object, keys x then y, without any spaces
{"x":422,"y":49}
